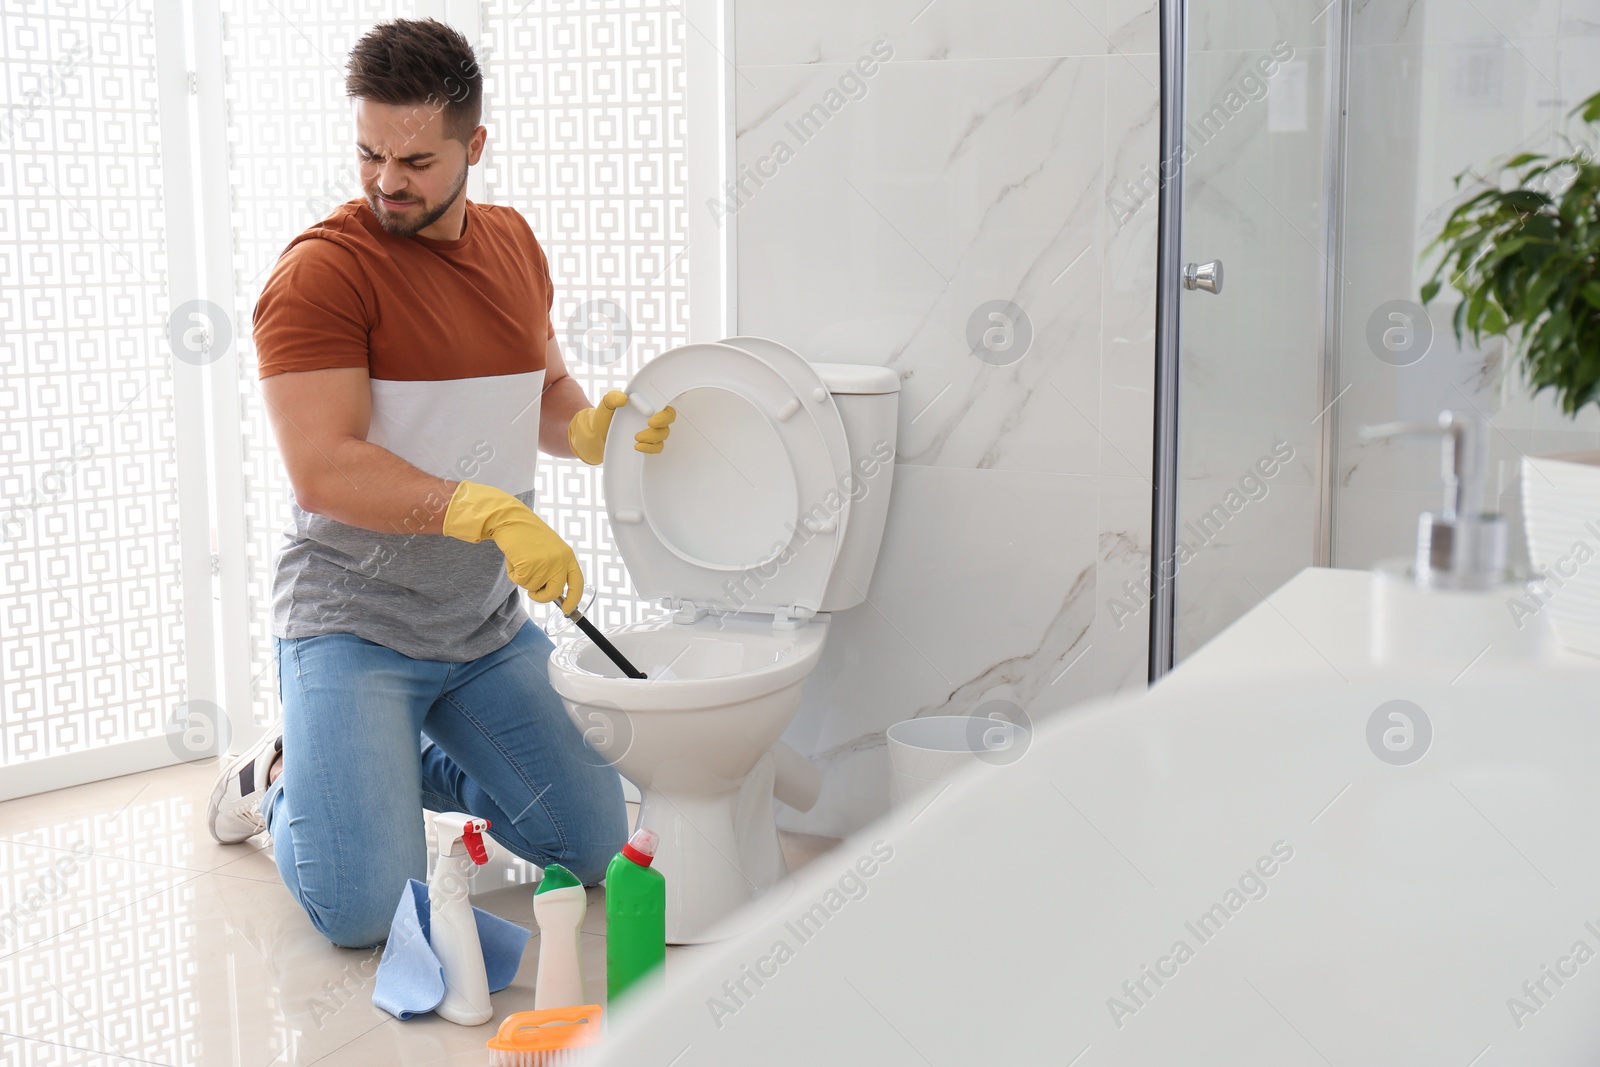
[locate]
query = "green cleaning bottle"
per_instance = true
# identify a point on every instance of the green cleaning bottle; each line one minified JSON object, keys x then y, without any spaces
{"x":636,"y":914}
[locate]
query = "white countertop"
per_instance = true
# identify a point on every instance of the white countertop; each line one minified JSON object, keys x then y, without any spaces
{"x":1317,"y":626}
{"x":1253,"y":863}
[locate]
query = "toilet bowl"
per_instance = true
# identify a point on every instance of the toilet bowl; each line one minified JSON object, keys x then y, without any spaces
{"x":761,"y":517}
{"x":689,"y":743}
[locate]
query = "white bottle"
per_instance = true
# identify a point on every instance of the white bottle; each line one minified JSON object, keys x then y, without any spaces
{"x":452,"y":931}
{"x":559,"y":905}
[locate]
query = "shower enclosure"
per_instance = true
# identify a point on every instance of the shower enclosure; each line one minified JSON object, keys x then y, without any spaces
{"x":1309,"y":154}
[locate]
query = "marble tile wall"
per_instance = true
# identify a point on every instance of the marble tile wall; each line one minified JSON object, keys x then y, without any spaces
{"x":963,"y":154}
{"x":1436,"y":88}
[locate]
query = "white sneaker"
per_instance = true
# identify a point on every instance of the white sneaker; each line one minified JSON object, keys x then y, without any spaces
{"x":234,"y":813}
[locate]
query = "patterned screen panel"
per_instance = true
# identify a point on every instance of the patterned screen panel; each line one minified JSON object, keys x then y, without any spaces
{"x":91,"y":636}
{"x":290,"y":161}
{"x":585,"y":111}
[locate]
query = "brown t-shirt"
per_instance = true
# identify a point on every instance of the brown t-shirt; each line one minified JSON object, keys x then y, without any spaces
{"x":453,"y":335}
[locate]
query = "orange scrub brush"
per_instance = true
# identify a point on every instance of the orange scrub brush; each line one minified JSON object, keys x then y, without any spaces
{"x":545,"y":1038}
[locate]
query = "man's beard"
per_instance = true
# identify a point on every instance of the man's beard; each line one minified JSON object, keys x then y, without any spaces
{"x":395,"y":225}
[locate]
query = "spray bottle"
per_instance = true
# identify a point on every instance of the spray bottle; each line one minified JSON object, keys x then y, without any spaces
{"x":559,"y":905}
{"x":452,"y":930}
{"x":636,"y":914}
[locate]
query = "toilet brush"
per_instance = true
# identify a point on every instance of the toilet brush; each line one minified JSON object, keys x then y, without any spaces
{"x":601,"y":643}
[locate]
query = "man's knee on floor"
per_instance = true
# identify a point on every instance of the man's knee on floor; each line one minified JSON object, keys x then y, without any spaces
{"x":361,"y":926}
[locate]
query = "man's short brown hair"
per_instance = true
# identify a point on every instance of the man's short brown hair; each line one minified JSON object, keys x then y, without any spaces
{"x":421,"y":62}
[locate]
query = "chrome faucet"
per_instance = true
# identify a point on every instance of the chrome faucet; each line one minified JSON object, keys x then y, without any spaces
{"x":1461,"y":546}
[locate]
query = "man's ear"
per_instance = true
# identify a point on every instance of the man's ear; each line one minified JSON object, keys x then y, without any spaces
{"x":475,"y":143}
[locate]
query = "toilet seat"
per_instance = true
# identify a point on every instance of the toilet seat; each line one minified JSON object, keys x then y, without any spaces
{"x":742,"y":510}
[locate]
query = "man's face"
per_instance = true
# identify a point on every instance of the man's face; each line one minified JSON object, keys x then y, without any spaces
{"x":412,"y":171}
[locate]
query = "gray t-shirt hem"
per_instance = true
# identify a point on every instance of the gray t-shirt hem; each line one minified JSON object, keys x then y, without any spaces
{"x":426,"y":596}
{"x":480,"y":645}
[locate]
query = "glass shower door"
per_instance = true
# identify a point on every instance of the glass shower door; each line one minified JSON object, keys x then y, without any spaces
{"x":1250,"y":278}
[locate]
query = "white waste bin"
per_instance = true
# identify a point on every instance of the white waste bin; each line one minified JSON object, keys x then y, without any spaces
{"x":927,"y":751}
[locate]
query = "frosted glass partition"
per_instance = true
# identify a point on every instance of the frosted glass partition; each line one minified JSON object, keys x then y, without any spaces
{"x":587,"y":110}
{"x":91,"y":608}
{"x":290,"y":163}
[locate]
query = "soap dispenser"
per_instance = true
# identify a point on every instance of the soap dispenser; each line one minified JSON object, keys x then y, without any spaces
{"x":1450,"y":602}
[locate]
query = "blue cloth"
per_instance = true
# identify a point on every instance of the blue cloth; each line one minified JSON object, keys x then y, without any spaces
{"x":410,"y":978}
{"x":347,"y":813}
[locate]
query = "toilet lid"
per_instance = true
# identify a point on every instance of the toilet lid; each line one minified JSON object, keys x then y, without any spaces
{"x":741,"y":511}
{"x":809,"y":386}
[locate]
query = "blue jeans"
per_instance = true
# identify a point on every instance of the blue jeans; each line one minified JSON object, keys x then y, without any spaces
{"x":346,"y":814}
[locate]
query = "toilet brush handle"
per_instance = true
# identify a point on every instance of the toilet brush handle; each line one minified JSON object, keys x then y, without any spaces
{"x":593,"y":633}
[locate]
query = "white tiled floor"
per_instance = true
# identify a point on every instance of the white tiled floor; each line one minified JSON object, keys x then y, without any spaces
{"x":128,"y":936}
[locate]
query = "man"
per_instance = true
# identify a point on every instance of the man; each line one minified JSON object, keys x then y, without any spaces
{"x":411,"y":373}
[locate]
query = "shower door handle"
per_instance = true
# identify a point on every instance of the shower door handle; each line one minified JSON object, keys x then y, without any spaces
{"x":1207,"y":276}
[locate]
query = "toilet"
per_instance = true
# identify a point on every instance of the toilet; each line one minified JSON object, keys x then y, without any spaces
{"x":761,"y":517}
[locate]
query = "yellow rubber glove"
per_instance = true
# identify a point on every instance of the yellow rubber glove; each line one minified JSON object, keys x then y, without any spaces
{"x":536,"y":557}
{"x":586,"y":434}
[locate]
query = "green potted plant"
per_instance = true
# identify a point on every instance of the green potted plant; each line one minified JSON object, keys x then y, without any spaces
{"x":1525,"y":257}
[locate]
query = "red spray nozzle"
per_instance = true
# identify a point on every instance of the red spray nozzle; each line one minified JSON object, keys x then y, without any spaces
{"x":471,"y":838}
{"x":453,"y":826}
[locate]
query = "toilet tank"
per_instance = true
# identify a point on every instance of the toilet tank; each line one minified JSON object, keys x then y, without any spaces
{"x":868,"y":399}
